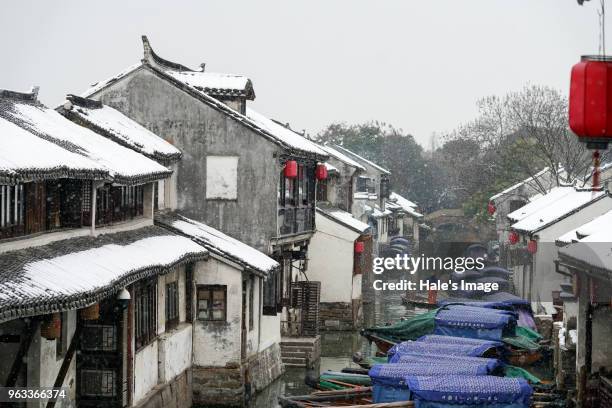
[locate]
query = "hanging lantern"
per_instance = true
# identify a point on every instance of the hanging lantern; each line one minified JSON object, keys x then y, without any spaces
{"x":321,"y":172}
{"x":359,"y":247}
{"x":513,"y":238}
{"x":590,"y":108}
{"x":291,"y":169}
{"x":91,"y":312}
{"x":51,"y":328}
{"x":532,"y":246}
{"x":491,"y":208}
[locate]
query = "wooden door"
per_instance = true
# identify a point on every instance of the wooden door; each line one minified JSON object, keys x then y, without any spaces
{"x":100,"y":365}
{"x":35,"y":207}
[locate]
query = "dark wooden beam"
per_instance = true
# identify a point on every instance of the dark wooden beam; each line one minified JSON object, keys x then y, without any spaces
{"x":61,"y":375}
{"x":26,"y":340}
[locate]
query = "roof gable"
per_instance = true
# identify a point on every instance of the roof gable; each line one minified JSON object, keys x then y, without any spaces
{"x":119,"y":128}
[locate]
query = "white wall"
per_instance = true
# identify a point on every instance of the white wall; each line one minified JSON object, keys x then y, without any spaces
{"x":175,"y":352}
{"x":218,"y":343}
{"x":146,"y":372}
{"x":545,"y":278}
{"x":331,"y":253}
{"x":270,"y":331}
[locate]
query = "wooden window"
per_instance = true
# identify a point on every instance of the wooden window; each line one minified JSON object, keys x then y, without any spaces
{"x":189,"y":292}
{"x":172,"y":305}
{"x":98,"y":383}
{"x":212,"y":303}
{"x":11,"y":211}
{"x":252,"y":303}
{"x":296,"y":200}
{"x":322,"y":190}
{"x":145,"y":312}
{"x":516,"y":204}
{"x":270,"y":295}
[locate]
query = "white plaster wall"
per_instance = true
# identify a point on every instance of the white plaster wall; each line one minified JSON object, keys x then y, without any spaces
{"x":546,"y":279}
{"x":357,"y":279}
{"x":602,"y":333}
{"x":170,"y":189}
{"x":331,"y":252}
{"x":145,"y":371}
{"x":253,"y":335}
{"x":218,"y":343}
{"x":175,"y":352}
{"x":270,"y":331}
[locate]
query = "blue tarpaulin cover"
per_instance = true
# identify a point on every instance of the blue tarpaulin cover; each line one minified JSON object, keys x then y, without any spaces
{"x":438,"y":339}
{"x":411,"y":347}
{"x":393,"y":374}
{"x":470,"y":390}
{"x":492,"y":364}
{"x":389,"y":384}
{"x":475,"y":322}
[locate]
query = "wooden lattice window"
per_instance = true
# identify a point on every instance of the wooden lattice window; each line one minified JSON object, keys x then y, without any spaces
{"x":212,"y":302}
{"x":172,"y":305}
{"x":145,"y":312}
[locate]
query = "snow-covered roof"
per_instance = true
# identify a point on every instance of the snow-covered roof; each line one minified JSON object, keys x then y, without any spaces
{"x":97,"y":86}
{"x":78,"y":272}
{"x":402,"y":201}
{"x":219,"y":243}
{"x":341,"y":156}
{"x":168,"y":70}
{"x":116,"y":126}
{"x":552,"y":207}
{"x":216,"y":84}
{"x":24,"y":156}
{"x":600,"y":223}
{"x":528,"y":180}
{"x":361,"y":159}
{"x":343,"y":218}
{"x":364,"y":195}
{"x":124,"y":165}
{"x":330,"y":168}
{"x":376,"y":212}
{"x":406,"y":205}
{"x":594,"y":251}
{"x":281,"y":133}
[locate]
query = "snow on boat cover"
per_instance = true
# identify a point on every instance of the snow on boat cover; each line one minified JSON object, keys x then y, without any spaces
{"x":410,"y":347}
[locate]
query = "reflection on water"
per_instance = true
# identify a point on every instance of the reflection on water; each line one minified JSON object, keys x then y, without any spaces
{"x":337,"y":348}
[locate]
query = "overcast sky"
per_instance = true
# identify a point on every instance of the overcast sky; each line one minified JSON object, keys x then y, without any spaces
{"x":418,"y":65}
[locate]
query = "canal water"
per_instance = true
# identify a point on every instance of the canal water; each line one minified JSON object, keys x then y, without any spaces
{"x":337,"y":348}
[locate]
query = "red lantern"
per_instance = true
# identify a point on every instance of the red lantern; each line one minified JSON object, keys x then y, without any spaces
{"x":321,"y":172}
{"x":513,"y":238}
{"x":532,"y":246}
{"x":291,"y":169}
{"x":359,"y":247}
{"x":491,"y":208}
{"x":590,"y":101}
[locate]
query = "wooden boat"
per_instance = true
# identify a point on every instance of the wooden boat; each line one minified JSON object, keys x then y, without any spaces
{"x":382,"y":344}
{"x":352,"y":398}
{"x":419,"y":302}
{"x":335,"y":380}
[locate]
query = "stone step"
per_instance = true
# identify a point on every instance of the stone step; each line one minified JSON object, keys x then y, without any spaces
{"x":297,"y":342}
{"x":298,"y":354}
{"x":294,"y":360}
{"x":297,"y":348}
{"x":294,"y":364}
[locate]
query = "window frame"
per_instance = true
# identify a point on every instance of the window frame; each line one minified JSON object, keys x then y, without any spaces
{"x":145,"y":325}
{"x":210,"y":289}
{"x":171,"y":304}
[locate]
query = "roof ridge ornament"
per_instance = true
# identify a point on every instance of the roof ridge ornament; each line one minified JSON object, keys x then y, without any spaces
{"x":152,"y":59}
